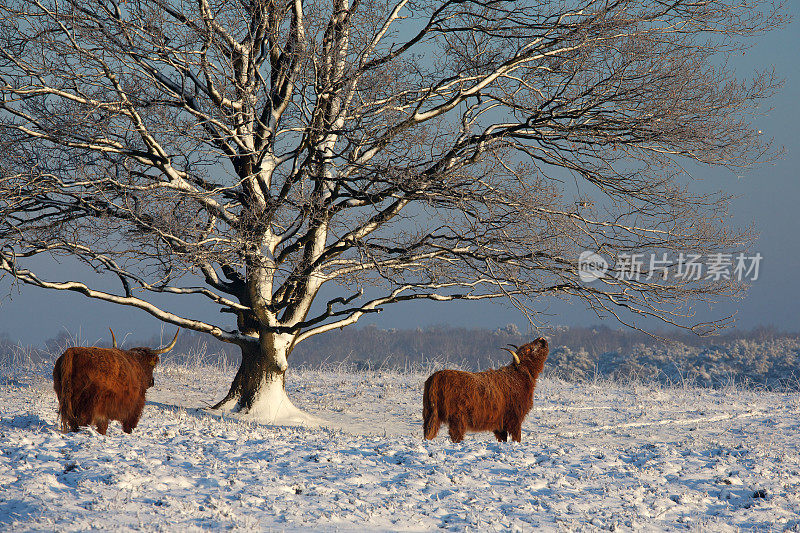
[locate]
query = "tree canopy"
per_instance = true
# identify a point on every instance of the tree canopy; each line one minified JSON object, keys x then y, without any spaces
{"x":254,"y":151}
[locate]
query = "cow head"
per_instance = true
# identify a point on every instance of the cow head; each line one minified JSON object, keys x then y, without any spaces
{"x":148,"y":357}
{"x":532,"y":350}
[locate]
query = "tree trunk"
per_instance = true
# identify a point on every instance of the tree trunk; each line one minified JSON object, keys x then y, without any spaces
{"x":258,"y":389}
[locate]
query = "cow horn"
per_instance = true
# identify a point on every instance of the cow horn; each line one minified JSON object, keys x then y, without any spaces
{"x":513,"y":354}
{"x":113,"y":338}
{"x":514,"y":346}
{"x":171,"y":345}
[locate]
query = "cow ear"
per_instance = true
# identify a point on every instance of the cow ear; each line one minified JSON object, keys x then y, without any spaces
{"x":153,"y":361}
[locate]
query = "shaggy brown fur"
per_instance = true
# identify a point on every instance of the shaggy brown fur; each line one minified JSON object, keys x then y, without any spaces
{"x":493,"y":400}
{"x":96,"y":385}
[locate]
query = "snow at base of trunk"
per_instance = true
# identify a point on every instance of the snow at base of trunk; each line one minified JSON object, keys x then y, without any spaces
{"x":272,"y":406}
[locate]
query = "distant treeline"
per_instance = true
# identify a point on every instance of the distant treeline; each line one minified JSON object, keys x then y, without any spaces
{"x":762,"y":356}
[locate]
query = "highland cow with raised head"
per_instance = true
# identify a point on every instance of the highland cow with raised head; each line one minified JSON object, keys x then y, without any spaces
{"x":493,"y":400}
{"x":97,"y":385}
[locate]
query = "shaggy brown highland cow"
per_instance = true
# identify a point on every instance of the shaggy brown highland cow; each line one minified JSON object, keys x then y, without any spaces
{"x":96,"y":385}
{"x":493,"y":400}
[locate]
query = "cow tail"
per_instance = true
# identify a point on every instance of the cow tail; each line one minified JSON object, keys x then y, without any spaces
{"x":65,"y":408}
{"x":430,"y":414}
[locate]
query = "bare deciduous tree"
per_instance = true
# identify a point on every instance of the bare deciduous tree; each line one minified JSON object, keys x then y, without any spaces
{"x":254,"y":151}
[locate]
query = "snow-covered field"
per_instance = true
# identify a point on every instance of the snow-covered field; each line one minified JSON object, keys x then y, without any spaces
{"x":593,"y":456}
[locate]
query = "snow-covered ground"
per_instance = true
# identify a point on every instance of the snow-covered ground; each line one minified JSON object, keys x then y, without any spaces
{"x":593,"y":456}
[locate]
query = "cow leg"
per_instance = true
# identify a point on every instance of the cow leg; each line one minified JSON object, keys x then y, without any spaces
{"x":516,"y":433}
{"x":501,"y":435}
{"x":431,"y":430}
{"x":84,"y":419}
{"x":456,"y":430}
{"x":133,"y":419}
{"x":431,"y":425}
{"x":102,"y":425}
{"x":430,"y":411}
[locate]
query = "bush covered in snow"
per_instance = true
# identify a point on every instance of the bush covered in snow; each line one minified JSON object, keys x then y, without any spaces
{"x":761,"y":358}
{"x":773,"y":363}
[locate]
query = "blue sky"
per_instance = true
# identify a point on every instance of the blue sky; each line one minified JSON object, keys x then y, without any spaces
{"x":768,"y":196}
